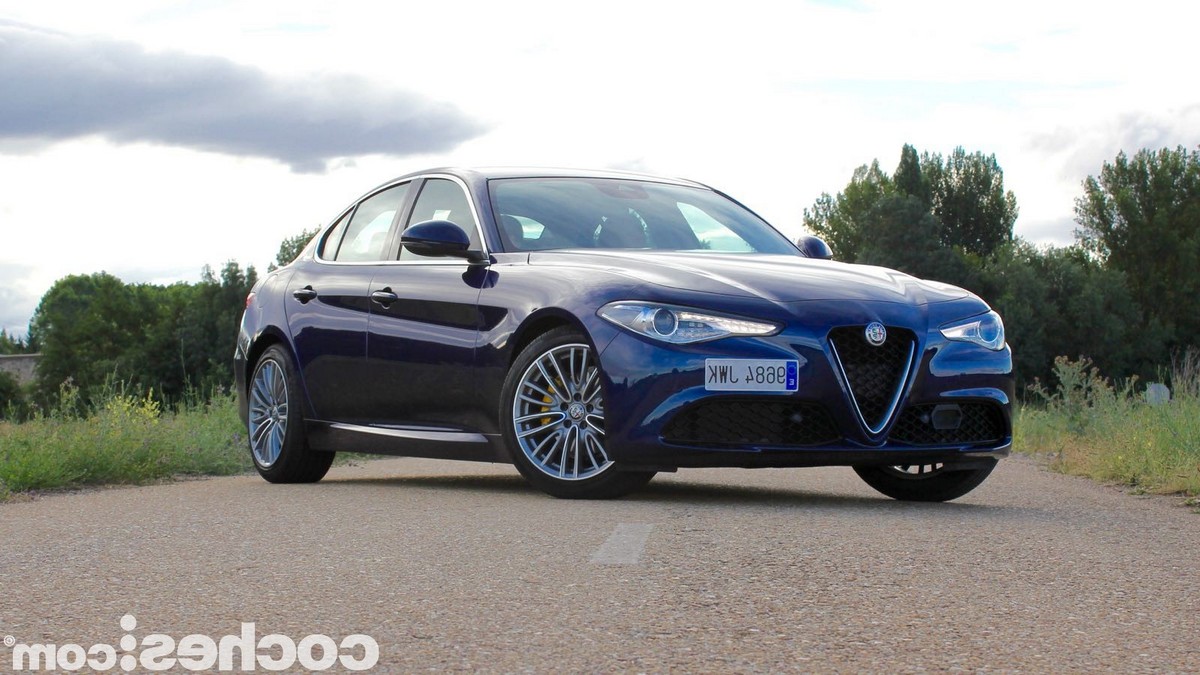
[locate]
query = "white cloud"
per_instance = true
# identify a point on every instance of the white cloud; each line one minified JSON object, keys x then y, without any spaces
{"x":57,"y":86}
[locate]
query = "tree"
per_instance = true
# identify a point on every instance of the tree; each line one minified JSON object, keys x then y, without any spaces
{"x":1059,"y":301}
{"x":169,"y":340}
{"x":12,"y":397}
{"x":165,"y":362}
{"x":1013,"y":285}
{"x":902,"y":234}
{"x":86,"y":325}
{"x":842,"y":220}
{"x":14,"y":345}
{"x":964,"y":193}
{"x":1141,"y":216}
{"x":290,"y":248}
{"x":910,"y":179}
{"x":967,"y":195}
{"x":209,"y":324}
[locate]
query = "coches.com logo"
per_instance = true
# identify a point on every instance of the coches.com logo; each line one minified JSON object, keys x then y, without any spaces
{"x":156,"y":652}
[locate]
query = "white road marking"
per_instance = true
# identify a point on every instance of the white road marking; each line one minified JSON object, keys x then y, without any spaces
{"x":624,"y":546}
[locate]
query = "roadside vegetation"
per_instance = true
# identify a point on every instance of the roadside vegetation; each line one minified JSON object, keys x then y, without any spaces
{"x":1088,"y":426}
{"x":120,"y":438}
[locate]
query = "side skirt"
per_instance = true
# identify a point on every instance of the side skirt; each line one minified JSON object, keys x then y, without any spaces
{"x":407,"y":441}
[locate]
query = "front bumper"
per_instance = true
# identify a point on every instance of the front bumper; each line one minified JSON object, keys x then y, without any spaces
{"x":650,"y":386}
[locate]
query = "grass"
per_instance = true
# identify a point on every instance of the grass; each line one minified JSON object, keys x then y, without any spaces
{"x":123,"y":439}
{"x":1088,"y":427}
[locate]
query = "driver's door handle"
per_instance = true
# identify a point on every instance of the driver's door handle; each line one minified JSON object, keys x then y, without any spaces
{"x":384,"y":297}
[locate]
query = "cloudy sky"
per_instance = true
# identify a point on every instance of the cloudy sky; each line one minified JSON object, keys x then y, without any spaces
{"x":148,"y":138}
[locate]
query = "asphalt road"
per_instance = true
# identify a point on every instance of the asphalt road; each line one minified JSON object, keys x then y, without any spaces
{"x":456,"y":566}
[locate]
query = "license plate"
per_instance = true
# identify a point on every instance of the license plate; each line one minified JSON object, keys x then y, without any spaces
{"x":751,"y":375}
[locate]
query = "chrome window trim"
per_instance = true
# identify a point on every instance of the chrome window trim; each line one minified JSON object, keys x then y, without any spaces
{"x":432,"y":261}
{"x":377,"y":263}
{"x":328,"y":228}
{"x":347,"y":211}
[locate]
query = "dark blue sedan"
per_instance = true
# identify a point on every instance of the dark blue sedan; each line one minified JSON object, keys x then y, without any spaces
{"x":594,"y":328}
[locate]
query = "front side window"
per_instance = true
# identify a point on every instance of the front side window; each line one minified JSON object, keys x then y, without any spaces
{"x":537,"y":214}
{"x":443,"y":199}
{"x":367,"y":231}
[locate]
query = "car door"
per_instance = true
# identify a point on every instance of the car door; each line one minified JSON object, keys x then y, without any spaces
{"x":329,"y":305}
{"x":424,"y":324}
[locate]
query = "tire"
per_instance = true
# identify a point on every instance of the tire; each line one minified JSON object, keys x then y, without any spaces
{"x":924,"y":482}
{"x":275,"y":427}
{"x":552,"y":414}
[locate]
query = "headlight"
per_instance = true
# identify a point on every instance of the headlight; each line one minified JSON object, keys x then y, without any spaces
{"x":680,"y":325}
{"x":985,"y":330}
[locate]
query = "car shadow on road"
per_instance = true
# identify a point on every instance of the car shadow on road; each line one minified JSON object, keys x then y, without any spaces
{"x":716,"y":494}
{"x":698,"y":494}
{"x":475,"y":483}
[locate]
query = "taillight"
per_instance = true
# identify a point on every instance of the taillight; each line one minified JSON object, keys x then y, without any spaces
{"x":249,"y":299}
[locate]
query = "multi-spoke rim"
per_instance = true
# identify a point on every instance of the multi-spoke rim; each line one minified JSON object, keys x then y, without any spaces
{"x":916,"y":471}
{"x":268,"y":412}
{"x":558,"y":414}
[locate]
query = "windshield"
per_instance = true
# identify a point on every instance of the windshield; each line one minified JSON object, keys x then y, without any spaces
{"x":537,"y":214}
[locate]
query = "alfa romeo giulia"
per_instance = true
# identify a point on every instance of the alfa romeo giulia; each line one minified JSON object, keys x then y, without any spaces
{"x":594,"y":328}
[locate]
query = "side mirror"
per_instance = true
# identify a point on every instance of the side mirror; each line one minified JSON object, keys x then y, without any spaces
{"x":814,"y":247}
{"x":439,"y":239}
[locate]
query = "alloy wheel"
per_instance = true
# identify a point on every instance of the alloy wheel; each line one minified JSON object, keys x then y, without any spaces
{"x":268,"y":412}
{"x":915,"y":471}
{"x":558,"y":414}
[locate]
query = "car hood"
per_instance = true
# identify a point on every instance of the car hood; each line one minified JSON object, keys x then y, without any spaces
{"x":779,"y":278}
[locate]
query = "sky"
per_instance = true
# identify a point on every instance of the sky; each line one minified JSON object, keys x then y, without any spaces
{"x":148,"y":138}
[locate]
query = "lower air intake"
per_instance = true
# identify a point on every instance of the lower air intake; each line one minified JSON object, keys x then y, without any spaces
{"x":981,"y":422}
{"x":740,"y":422}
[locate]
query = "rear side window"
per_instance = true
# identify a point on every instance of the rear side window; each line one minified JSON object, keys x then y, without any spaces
{"x":330,"y":245}
{"x":367,"y":229}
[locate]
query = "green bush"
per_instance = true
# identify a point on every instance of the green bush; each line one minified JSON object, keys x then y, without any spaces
{"x":123,"y":439}
{"x":1087,"y":426}
{"x":13,"y":402}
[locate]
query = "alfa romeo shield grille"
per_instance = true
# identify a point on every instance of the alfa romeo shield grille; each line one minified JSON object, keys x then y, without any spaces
{"x":875,"y":375}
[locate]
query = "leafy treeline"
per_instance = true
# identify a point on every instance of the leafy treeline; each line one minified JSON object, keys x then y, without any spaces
{"x":96,"y":331}
{"x":291,"y":248}
{"x":1141,"y":217}
{"x":99,"y":335}
{"x":1119,"y":295}
{"x":10,"y":344}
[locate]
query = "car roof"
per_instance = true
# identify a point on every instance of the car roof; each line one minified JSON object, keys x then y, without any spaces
{"x":471,"y":174}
